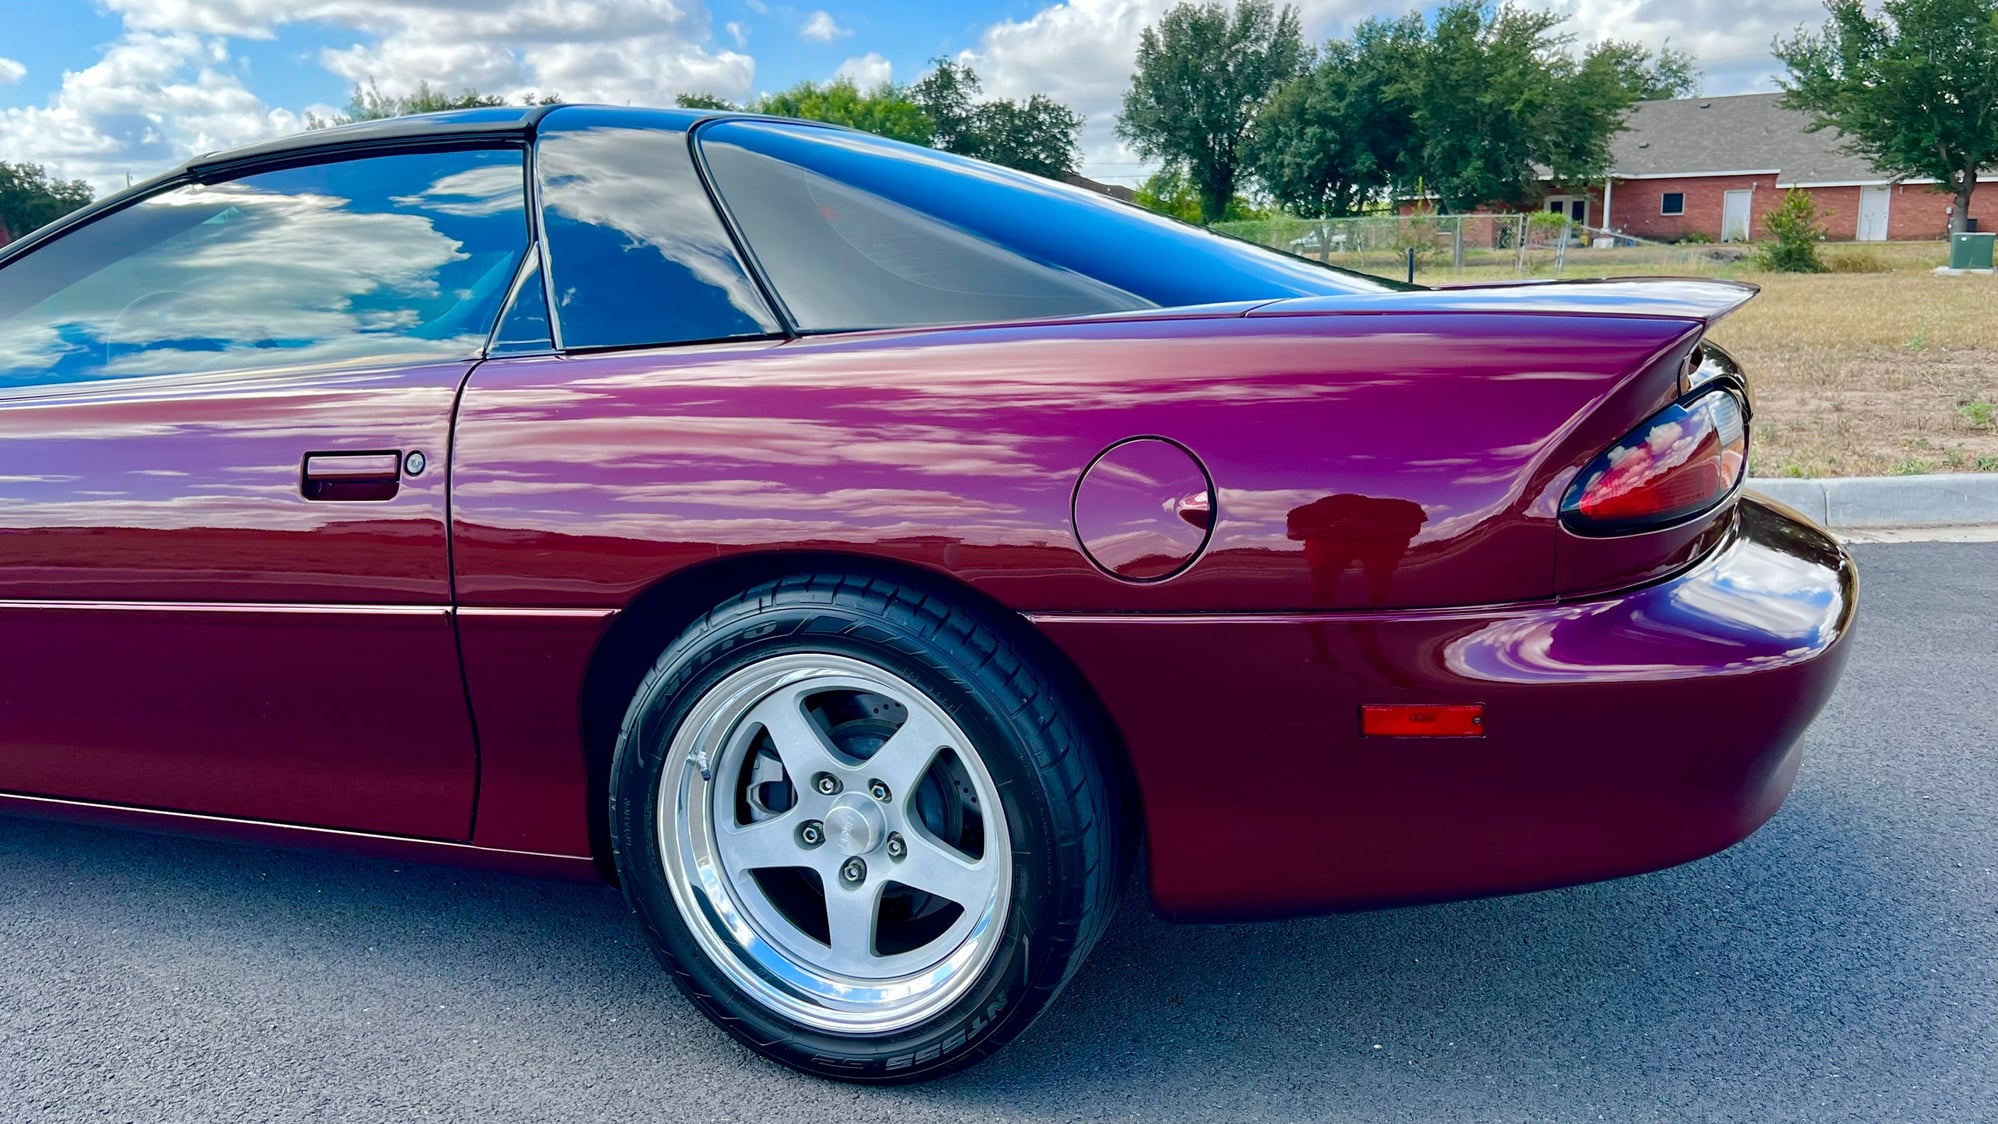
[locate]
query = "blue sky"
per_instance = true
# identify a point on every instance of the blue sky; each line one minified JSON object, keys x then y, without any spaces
{"x":99,"y":89}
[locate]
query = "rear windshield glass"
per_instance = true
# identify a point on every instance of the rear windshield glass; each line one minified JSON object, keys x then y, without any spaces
{"x":855,"y":231}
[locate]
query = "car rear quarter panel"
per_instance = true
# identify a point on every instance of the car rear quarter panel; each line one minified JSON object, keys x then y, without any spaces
{"x":578,"y":483}
{"x":581,"y":481}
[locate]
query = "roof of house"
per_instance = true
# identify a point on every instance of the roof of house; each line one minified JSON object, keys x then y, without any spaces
{"x":1743,"y":133}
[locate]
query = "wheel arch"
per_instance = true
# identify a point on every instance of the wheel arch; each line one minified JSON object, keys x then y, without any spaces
{"x":642,"y":629}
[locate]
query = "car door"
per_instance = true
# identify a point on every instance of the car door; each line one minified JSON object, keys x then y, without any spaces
{"x":643,"y":278}
{"x":225,"y":420}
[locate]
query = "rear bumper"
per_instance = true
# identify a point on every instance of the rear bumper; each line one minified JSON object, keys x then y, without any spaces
{"x":1624,"y":733}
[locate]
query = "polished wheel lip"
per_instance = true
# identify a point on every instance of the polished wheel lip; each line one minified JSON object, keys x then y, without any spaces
{"x":782,"y":968}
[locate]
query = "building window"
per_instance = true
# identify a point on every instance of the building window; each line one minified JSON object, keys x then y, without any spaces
{"x":1672,"y":203}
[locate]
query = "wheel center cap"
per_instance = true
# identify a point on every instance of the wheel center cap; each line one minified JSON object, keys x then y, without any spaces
{"x":855,"y":825}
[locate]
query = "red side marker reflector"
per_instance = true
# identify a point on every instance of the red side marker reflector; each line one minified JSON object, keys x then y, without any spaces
{"x":1422,"y":721}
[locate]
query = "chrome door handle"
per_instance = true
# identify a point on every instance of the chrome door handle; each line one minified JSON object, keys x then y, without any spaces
{"x":351,"y":476}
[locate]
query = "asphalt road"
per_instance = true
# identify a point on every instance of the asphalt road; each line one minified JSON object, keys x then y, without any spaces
{"x":1842,"y":964}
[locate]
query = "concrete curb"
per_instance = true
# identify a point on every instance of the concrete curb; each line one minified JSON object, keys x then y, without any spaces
{"x":1869,"y":502}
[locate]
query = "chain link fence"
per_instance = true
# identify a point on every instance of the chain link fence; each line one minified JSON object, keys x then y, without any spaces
{"x":1481,"y":246}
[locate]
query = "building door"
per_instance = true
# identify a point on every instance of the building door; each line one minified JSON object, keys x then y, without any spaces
{"x":1735,"y":208}
{"x":1873,"y":204}
{"x":1575,"y":208}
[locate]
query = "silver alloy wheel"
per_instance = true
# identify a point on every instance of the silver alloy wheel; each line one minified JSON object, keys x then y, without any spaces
{"x":835,"y":843}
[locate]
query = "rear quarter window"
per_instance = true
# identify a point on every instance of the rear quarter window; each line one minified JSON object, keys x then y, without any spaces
{"x":853,"y":231}
{"x":636,"y":253}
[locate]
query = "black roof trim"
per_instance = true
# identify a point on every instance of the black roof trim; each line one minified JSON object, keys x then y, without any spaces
{"x":495,"y":123}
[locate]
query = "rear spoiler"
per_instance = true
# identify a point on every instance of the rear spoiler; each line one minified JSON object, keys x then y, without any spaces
{"x":1670,"y":298}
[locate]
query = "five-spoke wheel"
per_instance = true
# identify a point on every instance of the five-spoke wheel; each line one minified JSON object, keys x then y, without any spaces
{"x":869,"y":835}
{"x":831,"y":826}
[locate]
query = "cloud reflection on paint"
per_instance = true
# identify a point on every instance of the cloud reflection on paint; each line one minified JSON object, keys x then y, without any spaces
{"x":1751,"y":606}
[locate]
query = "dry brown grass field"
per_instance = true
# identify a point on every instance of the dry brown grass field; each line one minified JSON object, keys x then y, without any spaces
{"x":1868,"y":374}
{"x":1893,"y":370}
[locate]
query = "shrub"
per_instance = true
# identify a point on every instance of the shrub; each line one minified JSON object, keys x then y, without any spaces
{"x":1696,"y":238}
{"x":1794,"y":233}
{"x":1545,"y":226}
{"x":1417,"y":231}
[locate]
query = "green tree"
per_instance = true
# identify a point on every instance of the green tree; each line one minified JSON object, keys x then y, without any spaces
{"x":884,"y":110}
{"x":1499,"y":96}
{"x":703,"y":100}
{"x":1201,"y":76}
{"x":1038,"y":135}
{"x":1332,"y":140}
{"x":30,"y":198}
{"x":1477,"y":105}
{"x":1671,"y":73}
{"x":368,"y":103}
{"x":1794,"y":234}
{"x":1914,"y":89}
{"x":1170,"y":193}
{"x":948,"y":96}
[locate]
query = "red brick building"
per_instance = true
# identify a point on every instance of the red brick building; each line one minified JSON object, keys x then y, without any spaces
{"x":1718,"y":166}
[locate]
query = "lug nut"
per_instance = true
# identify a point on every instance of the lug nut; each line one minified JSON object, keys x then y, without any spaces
{"x":896,"y":848}
{"x":812,"y":833}
{"x":827,"y":784}
{"x":854,"y":871}
{"x":878,"y":791}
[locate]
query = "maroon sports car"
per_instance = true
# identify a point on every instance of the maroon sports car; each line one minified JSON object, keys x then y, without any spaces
{"x":856,"y":551}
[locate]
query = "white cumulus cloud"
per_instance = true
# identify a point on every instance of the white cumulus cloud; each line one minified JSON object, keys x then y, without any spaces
{"x":1730,"y":41}
{"x":616,"y":51}
{"x":821,"y":27}
{"x":167,"y":88}
{"x":867,"y":71}
{"x":152,"y":100}
{"x":11,"y":72}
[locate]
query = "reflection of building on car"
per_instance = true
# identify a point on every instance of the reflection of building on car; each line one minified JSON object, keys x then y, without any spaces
{"x":855,"y":551}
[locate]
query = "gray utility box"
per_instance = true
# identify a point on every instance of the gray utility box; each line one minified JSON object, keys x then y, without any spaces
{"x":1971,"y":251}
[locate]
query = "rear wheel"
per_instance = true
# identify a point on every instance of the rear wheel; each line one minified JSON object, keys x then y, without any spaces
{"x":842,"y":808}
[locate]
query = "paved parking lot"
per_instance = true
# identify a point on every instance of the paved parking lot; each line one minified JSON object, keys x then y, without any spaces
{"x":1842,"y":964}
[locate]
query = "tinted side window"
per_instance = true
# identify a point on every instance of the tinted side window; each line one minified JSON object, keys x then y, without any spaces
{"x":381,"y":260}
{"x":636,"y":251}
{"x":855,"y":231}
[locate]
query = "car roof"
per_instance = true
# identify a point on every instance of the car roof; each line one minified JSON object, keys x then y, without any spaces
{"x":500,"y":122}
{"x":493,"y":122}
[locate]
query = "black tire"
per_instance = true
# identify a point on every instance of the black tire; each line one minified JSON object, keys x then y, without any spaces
{"x":1059,"y":798}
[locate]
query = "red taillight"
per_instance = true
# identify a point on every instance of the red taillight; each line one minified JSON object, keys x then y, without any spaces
{"x":1422,"y":721}
{"x":1682,"y":462}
